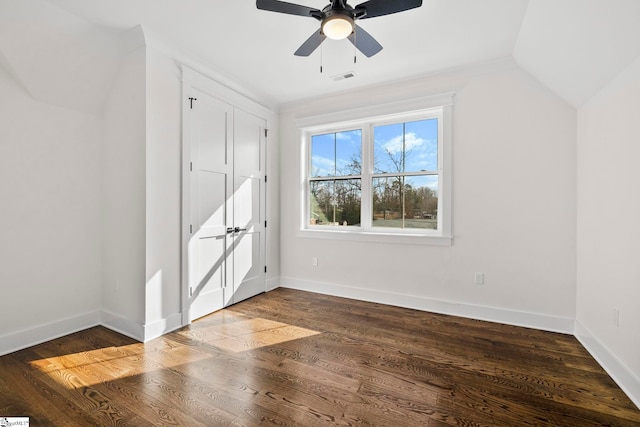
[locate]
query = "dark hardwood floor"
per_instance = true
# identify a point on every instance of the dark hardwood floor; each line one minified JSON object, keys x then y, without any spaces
{"x":291,"y":358}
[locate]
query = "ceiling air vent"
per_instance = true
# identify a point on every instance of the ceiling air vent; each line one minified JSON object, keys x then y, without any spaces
{"x":343,"y":76}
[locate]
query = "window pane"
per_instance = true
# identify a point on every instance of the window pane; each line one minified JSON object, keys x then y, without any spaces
{"x":335,"y":202}
{"x":421,"y":146}
{"x":323,"y":155}
{"x":336,"y":154}
{"x":388,"y":149}
{"x":406,"y":147}
{"x":348,"y":152}
{"x":421,"y":202}
{"x":387,"y":202}
{"x":406,"y":202}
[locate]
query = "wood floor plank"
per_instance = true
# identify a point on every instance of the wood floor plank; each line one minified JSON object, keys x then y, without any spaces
{"x":292,"y":358}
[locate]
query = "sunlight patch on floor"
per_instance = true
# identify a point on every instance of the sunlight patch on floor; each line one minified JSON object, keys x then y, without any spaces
{"x":226,"y":331}
{"x":252,"y":341}
{"x":237,"y":332}
{"x":87,"y":358}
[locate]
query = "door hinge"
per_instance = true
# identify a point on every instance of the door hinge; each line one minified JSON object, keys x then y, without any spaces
{"x":266,"y":133}
{"x":265,"y":224}
{"x":265,"y":178}
{"x":190,"y":291}
{"x":265,"y":268}
{"x":190,"y":228}
{"x":191,"y":166}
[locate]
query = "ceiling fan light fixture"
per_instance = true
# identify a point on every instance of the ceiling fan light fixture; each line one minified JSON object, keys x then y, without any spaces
{"x":338,"y":26}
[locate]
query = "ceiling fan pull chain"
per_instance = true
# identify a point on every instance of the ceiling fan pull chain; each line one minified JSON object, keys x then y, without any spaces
{"x":355,"y":41}
{"x":321,"y":57}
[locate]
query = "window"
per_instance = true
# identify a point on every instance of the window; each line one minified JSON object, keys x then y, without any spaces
{"x":335,"y":189}
{"x":379,"y":178}
{"x":405,"y":175}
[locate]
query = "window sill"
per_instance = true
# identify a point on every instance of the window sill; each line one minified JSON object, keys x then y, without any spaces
{"x":377,"y":237}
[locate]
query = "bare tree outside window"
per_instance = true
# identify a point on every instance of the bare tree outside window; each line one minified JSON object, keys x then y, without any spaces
{"x":405,"y":178}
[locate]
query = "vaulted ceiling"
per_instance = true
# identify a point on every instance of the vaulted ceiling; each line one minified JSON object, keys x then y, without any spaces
{"x":574,"y":47}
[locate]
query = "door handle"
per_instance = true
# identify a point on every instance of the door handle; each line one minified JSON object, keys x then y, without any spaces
{"x":238,"y":229}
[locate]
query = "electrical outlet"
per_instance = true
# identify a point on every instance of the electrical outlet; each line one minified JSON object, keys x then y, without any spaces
{"x":478,"y":278}
{"x":314,"y":261}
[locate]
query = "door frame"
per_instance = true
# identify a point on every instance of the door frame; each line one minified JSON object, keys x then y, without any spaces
{"x":194,"y":79}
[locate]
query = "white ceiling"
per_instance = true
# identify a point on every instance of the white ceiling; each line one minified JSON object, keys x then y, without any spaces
{"x":572,"y":46}
{"x":575,"y":46}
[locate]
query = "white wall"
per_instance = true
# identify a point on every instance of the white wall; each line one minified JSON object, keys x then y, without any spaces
{"x":58,"y":57}
{"x":609,"y":228}
{"x":163,"y":193}
{"x":141,"y":288}
{"x":513,"y":207}
{"x":50,"y":216}
{"x":124,"y":203}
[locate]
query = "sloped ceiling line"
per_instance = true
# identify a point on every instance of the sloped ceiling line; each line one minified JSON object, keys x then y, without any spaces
{"x":575,"y":47}
{"x":66,"y":52}
{"x":59,"y":58}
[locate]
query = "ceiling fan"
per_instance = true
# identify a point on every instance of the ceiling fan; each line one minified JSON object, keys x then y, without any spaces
{"x":337,"y":21}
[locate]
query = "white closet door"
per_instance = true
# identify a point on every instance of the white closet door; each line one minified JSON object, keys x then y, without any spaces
{"x":249,"y":277}
{"x":211,"y":209}
{"x":224,"y":202}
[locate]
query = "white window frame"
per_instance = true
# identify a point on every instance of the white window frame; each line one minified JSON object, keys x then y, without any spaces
{"x":439,"y":107}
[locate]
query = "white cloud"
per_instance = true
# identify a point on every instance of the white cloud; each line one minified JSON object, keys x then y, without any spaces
{"x":350,"y":136}
{"x":322,"y":166}
{"x":394,"y":145}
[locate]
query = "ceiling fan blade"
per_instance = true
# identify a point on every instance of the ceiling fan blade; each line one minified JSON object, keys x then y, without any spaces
{"x":365,"y":42}
{"x":284,"y":7}
{"x":375,"y":8}
{"x":311,"y":44}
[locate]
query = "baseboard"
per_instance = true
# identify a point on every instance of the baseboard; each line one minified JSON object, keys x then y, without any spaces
{"x":142,"y":333}
{"x":19,"y":340}
{"x":623,"y":376}
{"x":162,"y":326}
{"x":32,"y":336}
{"x":122,"y":325}
{"x":492,"y":314}
{"x":273,"y":283}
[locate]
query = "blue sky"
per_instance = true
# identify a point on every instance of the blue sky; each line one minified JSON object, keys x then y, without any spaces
{"x":331,"y":153}
{"x":418,"y":140}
